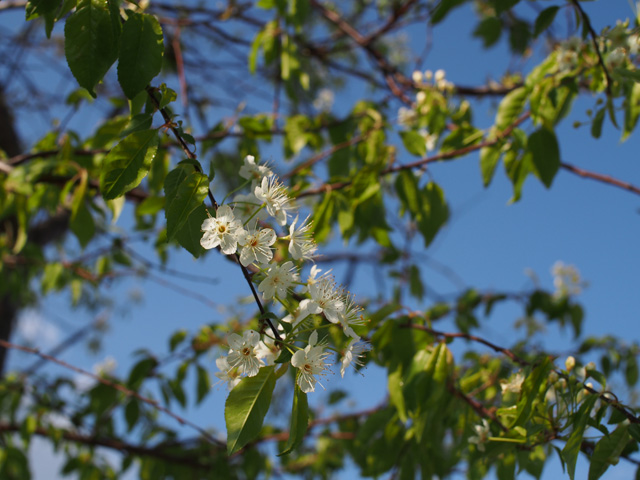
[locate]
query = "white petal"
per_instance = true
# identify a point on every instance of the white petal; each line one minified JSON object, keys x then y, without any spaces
{"x":235,"y":341}
{"x":299,"y":359}
{"x":313,"y":338}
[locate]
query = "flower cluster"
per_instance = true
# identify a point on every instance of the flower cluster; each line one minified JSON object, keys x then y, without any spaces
{"x":242,"y":228}
{"x":566,"y":280}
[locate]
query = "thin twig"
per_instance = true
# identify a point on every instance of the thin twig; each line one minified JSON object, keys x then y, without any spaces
{"x":115,"y":386}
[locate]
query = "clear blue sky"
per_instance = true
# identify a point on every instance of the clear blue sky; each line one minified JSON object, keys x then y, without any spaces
{"x":488,"y":243}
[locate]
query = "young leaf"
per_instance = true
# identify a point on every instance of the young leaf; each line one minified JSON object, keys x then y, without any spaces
{"x":511,"y":107}
{"x":489,"y":157}
{"x":607,"y":451}
{"x":414,"y":143}
{"x":572,"y":447}
{"x":246,"y":406}
{"x":204,"y":384}
{"x":190,"y":194}
{"x":190,"y":234}
{"x":544,"y":20}
{"x":299,"y":421}
{"x":545,"y":154}
{"x":141,"y":51}
{"x":89,"y":43}
{"x":128,"y":163}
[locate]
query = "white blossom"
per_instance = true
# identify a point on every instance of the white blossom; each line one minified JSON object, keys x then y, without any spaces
{"x":324,"y":101}
{"x":252,"y":171}
{"x":274,"y":195}
{"x":430,"y":139}
{"x":350,"y":314}
{"x":513,"y":385}
{"x":301,"y":243}
{"x":256,"y":246}
{"x":417,"y":76}
{"x":267,"y":350}
{"x":483,"y":432}
{"x":616,"y":57}
{"x":228,"y":375}
{"x":280,"y":279}
{"x":309,"y":362}
{"x":222,"y":230}
{"x":354,"y":353}
{"x":243,"y":352}
{"x":325,"y":298}
{"x":246,"y":206}
{"x":406,"y":116}
{"x":566,"y":280}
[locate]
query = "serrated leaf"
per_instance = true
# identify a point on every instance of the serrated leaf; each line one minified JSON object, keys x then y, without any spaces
{"x":82,"y":224}
{"x":572,"y":447}
{"x":544,"y":20}
{"x":128,"y":163}
{"x":204,"y":384}
{"x":434,"y":212}
{"x":246,"y":407}
{"x":596,"y":125}
{"x":489,"y":157}
{"x":190,"y":234}
{"x":511,"y":107}
{"x":188,"y":196}
{"x":530,"y":391}
{"x":545,"y":154}
{"x":90,"y":46}
{"x":299,"y":421}
{"x":141,"y":51}
{"x":414,"y":143}
{"x":489,"y":31}
{"x":607,"y":452}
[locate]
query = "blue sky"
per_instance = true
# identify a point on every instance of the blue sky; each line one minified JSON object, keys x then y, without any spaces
{"x":488,"y":242}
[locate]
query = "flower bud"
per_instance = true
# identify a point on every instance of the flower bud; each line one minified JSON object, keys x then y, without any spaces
{"x":569,"y":363}
{"x":417,"y":76}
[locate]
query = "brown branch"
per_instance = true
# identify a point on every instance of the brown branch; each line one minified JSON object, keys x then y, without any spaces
{"x":440,"y":156}
{"x":116,"y":386}
{"x":594,"y":39}
{"x":193,"y":461}
{"x":601,"y":178}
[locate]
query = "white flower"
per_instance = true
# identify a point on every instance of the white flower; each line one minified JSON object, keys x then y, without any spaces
{"x":633,"y":42}
{"x":439,"y":75}
{"x":350,"y":315}
{"x":251,"y":171}
{"x":245,"y":207}
{"x":222,"y":230}
{"x":481,"y":437}
{"x":417,"y":77}
{"x":325,"y":298}
{"x":616,"y":58}
{"x":296,"y":317}
{"x":514,"y":385}
{"x":301,"y":243}
{"x":406,"y":116}
{"x":228,"y":375}
{"x":274,"y":195}
{"x":280,"y":279}
{"x":243,"y":352}
{"x":310,"y":362}
{"x":255,"y":246}
{"x":324,"y":101}
{"x":355,"y":351}
{"x":430,"y":139}
{"x":267,"y":350}
{"x":566,"y":280}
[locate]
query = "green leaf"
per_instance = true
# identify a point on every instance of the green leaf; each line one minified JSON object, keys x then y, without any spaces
{"x":434,"y":212}
{"x":299,"y":421}
{"x":128,"y":163}
{"x":489,"y":157}
{"x":414,"y":143}
{"x":190,"y":234}
{"x":204,"y":384}
{"x":141,"y":51}
{"x":82,"y":224}
{"x":246,"y":407}
{"x":489,"y":31}
{"x":443,"y":8}
{"x":511,"y":107}
{"x":395,"y":382}
{"x":545,"y":154}
{"x":572,"y":447}
{"x":181,"y":202}
{"x":544,"y":20}
{"x":596,"y":125}
{"x":631,"y":110}
{"x":35,"y":8}
{"x":90,"y":45}
{"x":531,"y":391}
{"x":631,"y":371}
{"x":607,"y":452}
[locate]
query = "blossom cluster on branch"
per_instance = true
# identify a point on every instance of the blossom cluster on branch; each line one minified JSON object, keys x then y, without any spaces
{"x":242,"y":227}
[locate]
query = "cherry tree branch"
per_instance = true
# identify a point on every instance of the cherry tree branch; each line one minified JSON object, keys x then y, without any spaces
{"x":116,"y":386}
